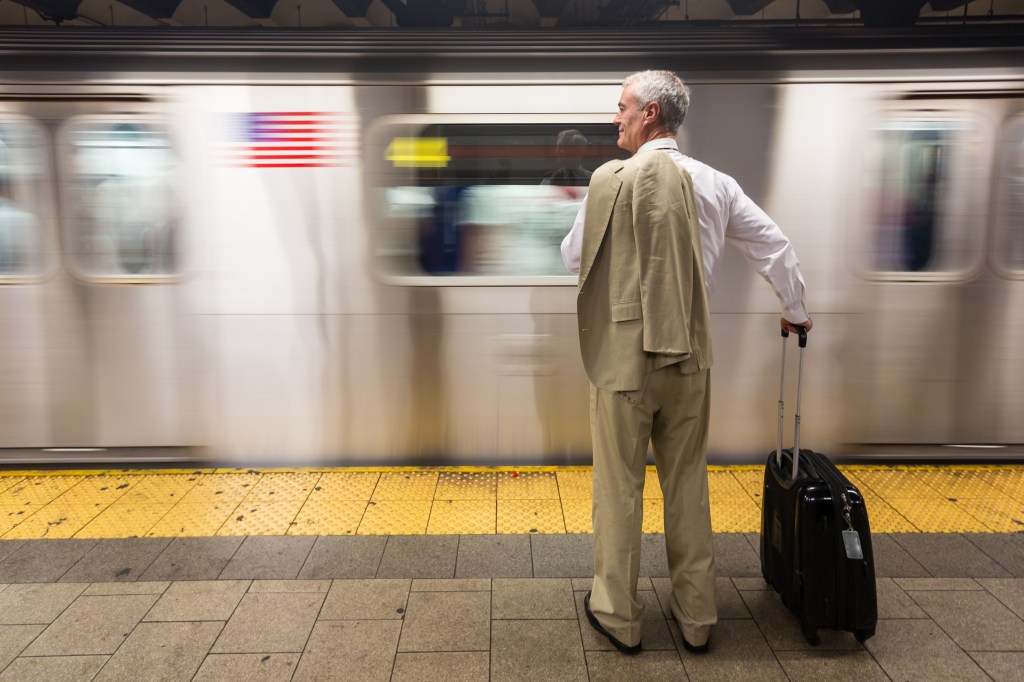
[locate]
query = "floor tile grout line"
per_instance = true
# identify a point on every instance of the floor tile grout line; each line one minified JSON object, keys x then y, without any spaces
{"x":941,"y":629}
{"x":996,"y":597}
{"x":110,"y":655}
{"x":760,"y":631}
{"x":142,"y":571}
{"x":316,"y":620}
{"x":228,"y":619}
{"x":298,"y":509}
{"x":981,"y":549}
{"x":97,"y":513}
{"x":302,"y":566}
{"x":963,"y":649}
{"x":155,"y":524}
{"x":31,"y":642}
{"x":15,"y":480}
{"x":84,"y":554}
{"x":380,"y":559}
{"x":231,"y":558}
{"x":490,"y":627}
{"x":143,"y":620}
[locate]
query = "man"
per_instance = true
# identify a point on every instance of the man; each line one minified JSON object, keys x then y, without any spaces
{"x":646,"y":243}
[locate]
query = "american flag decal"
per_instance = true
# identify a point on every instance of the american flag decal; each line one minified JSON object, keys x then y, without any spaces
{"x":291,"y":139}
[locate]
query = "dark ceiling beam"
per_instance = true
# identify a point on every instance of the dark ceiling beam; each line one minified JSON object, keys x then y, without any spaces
{"x":156,"y":9}
{"x":550,"y":9}
{"x":629,"y":12}
{"x":890,"y":12}
{"x":841,"y":6}
{"x":425,"y":13}
{"x":744,"y":8}
{"x":353,"y":9}
{"x":254,"y":9}
{"x":56,"y":11}
{"x":947,"y":5}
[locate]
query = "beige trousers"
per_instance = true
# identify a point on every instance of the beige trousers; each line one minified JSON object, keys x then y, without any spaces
{"x":671,"y":412}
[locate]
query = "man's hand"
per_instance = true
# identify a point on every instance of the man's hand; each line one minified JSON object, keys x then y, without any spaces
{"x":794,"y":328}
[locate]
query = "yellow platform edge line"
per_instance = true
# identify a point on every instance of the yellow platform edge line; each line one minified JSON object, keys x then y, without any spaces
{"x":321,"y":469}
{"x":199,"y":471}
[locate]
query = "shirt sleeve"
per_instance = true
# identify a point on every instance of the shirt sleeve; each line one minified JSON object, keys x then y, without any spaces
{"x":769,"y":251}
{"x":572,"y":245}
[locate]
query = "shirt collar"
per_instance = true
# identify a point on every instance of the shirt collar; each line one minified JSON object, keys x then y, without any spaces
{"x":659,"y":143}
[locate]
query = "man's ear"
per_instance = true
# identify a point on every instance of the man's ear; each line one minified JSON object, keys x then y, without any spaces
{"x":652,"y":112}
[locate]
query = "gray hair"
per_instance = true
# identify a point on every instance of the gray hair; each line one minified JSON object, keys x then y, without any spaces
{"x":665,"y":88}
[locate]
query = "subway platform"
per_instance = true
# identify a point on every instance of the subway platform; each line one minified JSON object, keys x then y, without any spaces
{"x":470,"y":574}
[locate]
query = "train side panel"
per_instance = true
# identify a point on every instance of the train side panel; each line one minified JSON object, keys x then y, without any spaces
{"x":295,"y":317}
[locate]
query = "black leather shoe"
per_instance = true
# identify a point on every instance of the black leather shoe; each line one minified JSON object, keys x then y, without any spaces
{"x":693,"y":649}
{"x":630,"y":650}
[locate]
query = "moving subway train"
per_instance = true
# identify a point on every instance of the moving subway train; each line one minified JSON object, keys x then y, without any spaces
{"x":284,"y":247}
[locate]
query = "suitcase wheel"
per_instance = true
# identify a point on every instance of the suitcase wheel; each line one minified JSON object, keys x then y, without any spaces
{"x":811,"y":634}
{"x":863,"y":635}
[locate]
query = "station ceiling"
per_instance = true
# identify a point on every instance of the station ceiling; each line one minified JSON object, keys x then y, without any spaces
{"x":485,"y":14}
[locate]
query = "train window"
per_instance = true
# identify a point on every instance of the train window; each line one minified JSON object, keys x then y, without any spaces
{"x":923,"y":198}
{"x":484,"y":199}
{"x":1010,"y":224}
{"x":22,"y":210}
{"x":120,"y":198}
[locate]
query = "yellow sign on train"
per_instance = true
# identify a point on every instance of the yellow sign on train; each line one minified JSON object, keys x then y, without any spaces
{"x":418,"y":152}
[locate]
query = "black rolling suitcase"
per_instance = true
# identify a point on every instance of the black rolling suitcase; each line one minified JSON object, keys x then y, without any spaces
{"x":815,"y":538}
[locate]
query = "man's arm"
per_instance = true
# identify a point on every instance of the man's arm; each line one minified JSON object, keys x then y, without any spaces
{"x":770,"y":252}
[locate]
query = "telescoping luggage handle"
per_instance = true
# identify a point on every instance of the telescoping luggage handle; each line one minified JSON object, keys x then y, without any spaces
{"x":782,"y":405}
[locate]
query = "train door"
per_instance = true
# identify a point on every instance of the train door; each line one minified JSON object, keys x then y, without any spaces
{"x":112,"y":367}
{"x":939,"y":335}
{"x":28,"y":240}
{"x":1006,"y":254}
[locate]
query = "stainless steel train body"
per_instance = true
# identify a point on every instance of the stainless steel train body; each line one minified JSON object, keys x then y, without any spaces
{"x":312,"y":248}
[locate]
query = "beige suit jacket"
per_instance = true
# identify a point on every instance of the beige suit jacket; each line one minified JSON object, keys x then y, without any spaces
{"x":641,"y":299}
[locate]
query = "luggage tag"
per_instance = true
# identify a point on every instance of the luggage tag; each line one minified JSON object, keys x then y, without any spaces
{"x":851,"y":540}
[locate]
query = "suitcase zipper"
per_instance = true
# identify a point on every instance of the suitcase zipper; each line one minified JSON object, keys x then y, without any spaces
{"x":840,"y":506}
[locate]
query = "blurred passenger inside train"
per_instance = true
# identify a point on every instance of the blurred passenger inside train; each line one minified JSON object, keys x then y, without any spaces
{"x":127,"y":197}
{"x":514,"y":229}
{"x":570,"y":147}
{"x":909,"y":206}
{"x":645,"y":340}
{"x":495,"y":207}
{"x":919,"y":230}
{"x":17,"y":231}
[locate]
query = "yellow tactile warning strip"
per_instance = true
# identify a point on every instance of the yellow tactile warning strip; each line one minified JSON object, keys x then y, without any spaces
{"x":458,"y":500}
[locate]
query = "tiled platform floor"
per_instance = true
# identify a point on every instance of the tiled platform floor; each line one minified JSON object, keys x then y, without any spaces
{"x":475,"y":607}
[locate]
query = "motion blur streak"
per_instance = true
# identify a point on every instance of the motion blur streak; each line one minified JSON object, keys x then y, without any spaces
{"x":309,"y":252}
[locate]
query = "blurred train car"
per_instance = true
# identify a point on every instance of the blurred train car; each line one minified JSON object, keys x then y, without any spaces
{"x":310,"y":247}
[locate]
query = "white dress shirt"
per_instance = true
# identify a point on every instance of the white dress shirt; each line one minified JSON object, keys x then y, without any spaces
{"x":725,"y":213}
